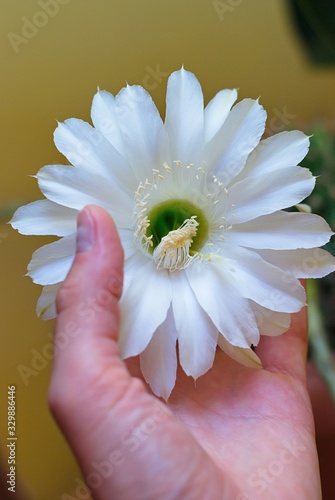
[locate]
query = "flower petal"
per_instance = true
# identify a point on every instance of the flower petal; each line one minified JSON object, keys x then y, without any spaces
{"x":277,"y":152}
{"x":269,"y":322}
{"x":185,"y":117}
{"x":197,"y":336}
{"x":224,"y":304}
{"x":131,"y":266}
{"x":217,"y":111}
{"x":85,"y":147}
{"x":264,"y":283}
{"x":104,"y":118}
{"x":75,"y":188}
{"x":128,"y":243}
{"x":144,"y":307}
{"x":44,"y":217}
{"x":281,"y":231}
{"x":301,"y":263}
{"x":145,"y":140}
{"x":267,"y":193}
{"x":243,"y":355}
{"x":51,"y":263}
{"x":227,"y":152}
{"x":159,"y":359}
{"x":46,"y":304}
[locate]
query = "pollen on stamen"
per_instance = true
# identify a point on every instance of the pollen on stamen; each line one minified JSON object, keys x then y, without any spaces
{"x":200,"y":169}
{"x":140,"y":233}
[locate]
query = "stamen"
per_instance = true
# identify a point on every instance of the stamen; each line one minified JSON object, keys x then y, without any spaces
{"x":179,"y":163}
{"x":171,"y":250}
{"x":172,"y":253}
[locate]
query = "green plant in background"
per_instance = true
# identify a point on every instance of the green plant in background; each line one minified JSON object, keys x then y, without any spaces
{"x":314,"y":20}
{"x":315,"y":23}
{"x":321,"y":161}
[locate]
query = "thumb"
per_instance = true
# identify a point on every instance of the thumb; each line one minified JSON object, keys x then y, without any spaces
{"x":86,"y":351}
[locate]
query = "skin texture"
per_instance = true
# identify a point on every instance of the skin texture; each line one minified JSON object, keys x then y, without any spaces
{"x":238,"y":433}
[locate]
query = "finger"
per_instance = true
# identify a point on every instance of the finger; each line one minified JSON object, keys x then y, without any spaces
{"x":287,"y":353}
{"x":86,"y":351}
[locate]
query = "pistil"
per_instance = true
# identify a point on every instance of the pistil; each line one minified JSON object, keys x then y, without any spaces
{"x":173,"y":251}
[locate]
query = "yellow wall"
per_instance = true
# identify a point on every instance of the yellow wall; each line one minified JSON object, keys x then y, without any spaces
{"x":53,"y":74}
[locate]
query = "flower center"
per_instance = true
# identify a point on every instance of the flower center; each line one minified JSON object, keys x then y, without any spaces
{"x":169,"y":230}
{"x":173,"y":230}
{"x":169,"y":216}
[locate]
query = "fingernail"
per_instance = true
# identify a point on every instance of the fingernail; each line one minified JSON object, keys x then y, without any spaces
{"x":85,"y":231}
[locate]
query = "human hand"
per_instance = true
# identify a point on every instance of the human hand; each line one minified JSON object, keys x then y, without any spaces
{"x":238,"y":433}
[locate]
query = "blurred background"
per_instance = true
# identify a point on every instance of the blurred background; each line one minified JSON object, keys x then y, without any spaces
{"x":54,"y":55}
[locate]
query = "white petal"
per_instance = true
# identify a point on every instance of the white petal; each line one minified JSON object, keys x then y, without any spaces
{"x":277,"y":152}
{"x":104,"y":118}
{"x":301,"y":263}
{"x":75,"y":188}
{"x":144,"y":136}
{"x":219,"y":296}
{"x":267,"y":193}
{"x":243,"y":355}
{"x":227,"y":152}
{"x":185,"y":117}
{"x":128,"y":243}
{"x":51,"y":263}
{"x":159,"y":359}
{"x":45,"y":217}
{"x":281,"y":231}
{"x":264,"y":283}
{"x":131,"y":266}
{"x":217,"y":111}
{"x":144,"y":307}
{"x":87,"y":148}
{"x":46,"y":304}
{"x":269,"y":322}
{"x":197,"y":336}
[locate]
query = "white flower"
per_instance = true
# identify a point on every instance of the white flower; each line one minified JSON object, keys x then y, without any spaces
{"x":211,"y":258}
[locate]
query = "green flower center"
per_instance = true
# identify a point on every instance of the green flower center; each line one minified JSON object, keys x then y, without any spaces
{"x":169,"y":216}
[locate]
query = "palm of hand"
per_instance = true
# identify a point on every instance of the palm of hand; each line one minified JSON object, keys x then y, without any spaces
{"x":255,"y":424}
